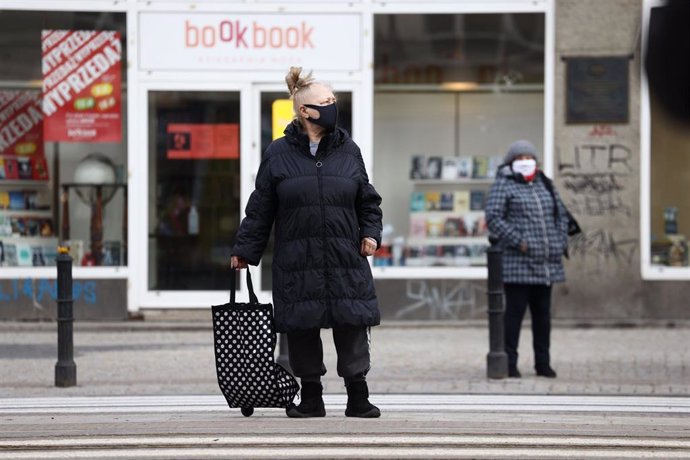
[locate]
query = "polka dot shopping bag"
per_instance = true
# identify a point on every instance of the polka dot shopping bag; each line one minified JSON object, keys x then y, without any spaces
{"x":244,"y":341}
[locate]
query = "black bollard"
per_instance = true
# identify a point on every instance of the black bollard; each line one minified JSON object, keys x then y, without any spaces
{"x":65,"y":369}
{"x":283,"y":359}
{"x":497,"y":359}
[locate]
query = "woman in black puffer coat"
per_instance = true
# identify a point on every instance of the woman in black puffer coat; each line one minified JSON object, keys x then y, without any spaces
{"x":313,"y":185}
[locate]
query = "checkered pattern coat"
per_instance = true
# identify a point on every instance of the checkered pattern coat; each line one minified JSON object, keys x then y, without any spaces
{"x":517,"y":211}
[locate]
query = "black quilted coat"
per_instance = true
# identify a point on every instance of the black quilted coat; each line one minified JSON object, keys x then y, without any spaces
{"x":322,"y":207}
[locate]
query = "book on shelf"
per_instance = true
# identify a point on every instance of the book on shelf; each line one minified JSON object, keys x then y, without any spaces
{"x":37,"y":259}
{"x":2,"y":169}
{"x":479,"y":227}
{"x":39,"y":168}
{"x":25,"y":171}
{"x":434,"y":167}
{"x":477,"y":198}
{"x":417,"y":202}
{"x":24,"y":258}
{"x":17,"y":200}
{"x":418,"y":167}
{"x":5,"y":226}
{"x":495,"y":162}
{"x":450,"y":168}
{"x":465,"y":167}
{"x":481,"y":167}
{"x":434,"y":226}
{"x":417,"y":226}
{"x":461,"y":201}
{"x":4,"y":200}
{"x":447,"y":201}
{"x":463,"y":255}
{"x":454,"y":227}
{"x":433,"y":201}
{"x":11,"y":169}
{"x":111,"y":254}
{"x":10,"y":255}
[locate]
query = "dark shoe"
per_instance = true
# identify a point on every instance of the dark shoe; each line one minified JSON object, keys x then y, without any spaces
{"x":514,"y":372}
{"x":544,"y":370}
{"x":358,"y":404}
{"x":311,"y":403}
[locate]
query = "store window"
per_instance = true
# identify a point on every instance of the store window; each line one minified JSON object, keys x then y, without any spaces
{"x":670,"y":180}
{"x":452,"y":92}
{"x":68,"y":185}
{"x":194,"y":188}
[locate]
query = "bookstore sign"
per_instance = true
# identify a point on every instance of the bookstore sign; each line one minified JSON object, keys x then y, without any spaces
{"x":214,"y":41}
{"x":81,"y":85}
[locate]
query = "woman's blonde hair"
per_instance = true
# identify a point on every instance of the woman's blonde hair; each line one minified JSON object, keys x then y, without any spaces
{"x":299,"y":86}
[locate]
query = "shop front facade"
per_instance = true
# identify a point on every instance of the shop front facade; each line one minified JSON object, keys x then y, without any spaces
{"x":432,"y":92}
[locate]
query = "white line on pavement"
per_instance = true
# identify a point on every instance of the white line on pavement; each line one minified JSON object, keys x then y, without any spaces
{"x":395,"y":403}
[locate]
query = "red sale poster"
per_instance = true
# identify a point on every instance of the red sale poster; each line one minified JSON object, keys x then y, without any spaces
{"x":209,"y":141}
{"x":81,"y":86}
{"x":21,"y":123}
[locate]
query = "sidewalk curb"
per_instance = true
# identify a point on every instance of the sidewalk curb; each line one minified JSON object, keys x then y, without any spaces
{"x":196,"y":325}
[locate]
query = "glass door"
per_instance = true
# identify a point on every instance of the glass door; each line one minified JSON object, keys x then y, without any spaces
{"x":195,"y":186}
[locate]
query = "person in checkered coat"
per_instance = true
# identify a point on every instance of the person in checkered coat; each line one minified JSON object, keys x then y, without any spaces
{"x":526,"y":215}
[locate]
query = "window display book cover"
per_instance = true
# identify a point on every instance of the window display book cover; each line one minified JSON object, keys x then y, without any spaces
{"x":417,"y":202}
{"x":450,"y":168}
{"x":418,"y":168}
{"x":477,"y":199}
{"x":461,"y":202}
{"x":25,"y":170}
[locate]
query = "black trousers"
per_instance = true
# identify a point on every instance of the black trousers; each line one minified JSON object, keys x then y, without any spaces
{"x":518,"y":297}
{"x":305,"y":351}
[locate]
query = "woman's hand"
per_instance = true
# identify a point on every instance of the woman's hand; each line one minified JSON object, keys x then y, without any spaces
{"x":237,"y":263}
{"x":367,"y":247}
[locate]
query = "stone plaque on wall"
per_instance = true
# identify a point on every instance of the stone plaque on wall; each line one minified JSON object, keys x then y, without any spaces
{"x":597,"y":89}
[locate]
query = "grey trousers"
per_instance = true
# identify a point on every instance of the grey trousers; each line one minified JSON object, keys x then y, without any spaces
{"x":305,"y":351}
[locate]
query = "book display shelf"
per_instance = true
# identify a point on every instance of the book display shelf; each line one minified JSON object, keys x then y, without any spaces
{"x":27,"y":230}
{"x":436,"y":157}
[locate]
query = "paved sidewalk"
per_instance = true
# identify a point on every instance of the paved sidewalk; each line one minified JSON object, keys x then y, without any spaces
{"x":146,"y":359}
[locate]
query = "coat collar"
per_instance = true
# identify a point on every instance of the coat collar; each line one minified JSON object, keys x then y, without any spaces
{"x":297,"y":136}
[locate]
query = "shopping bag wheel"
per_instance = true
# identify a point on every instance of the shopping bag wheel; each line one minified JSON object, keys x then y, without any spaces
{"x":247,"y":411}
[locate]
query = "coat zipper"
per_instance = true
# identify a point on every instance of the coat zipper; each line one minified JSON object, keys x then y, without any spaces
{"x":319,"y":164}
{"x":543,"y":226}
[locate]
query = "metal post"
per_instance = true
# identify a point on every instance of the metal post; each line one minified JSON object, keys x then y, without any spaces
{"x":497,"y":359}
{"x":283,"y":359}
{"x":65,"y":369}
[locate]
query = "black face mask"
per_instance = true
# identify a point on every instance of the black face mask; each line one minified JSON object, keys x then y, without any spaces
{"x":328,"y":116}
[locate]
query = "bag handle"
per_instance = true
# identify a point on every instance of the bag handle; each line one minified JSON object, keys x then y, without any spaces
{"x":233,"y":287}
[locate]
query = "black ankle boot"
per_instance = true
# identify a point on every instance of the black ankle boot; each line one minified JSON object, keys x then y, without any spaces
{"x":358,"y":404}
{"x":544,"y":370}
{"x":311,"y":403}
{"x":513,"y":372}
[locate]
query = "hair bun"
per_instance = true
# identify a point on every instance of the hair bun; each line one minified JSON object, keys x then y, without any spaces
{"x":295,"y":81}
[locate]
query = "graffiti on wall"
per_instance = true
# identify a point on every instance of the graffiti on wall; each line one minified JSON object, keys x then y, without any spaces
{"x":43,"y":290}
{"x":596,"y":174}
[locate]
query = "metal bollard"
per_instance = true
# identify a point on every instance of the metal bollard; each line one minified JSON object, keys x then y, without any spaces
{"x":283,"y":359}
{"x":497,"y":359}
{"x":65,"y":369}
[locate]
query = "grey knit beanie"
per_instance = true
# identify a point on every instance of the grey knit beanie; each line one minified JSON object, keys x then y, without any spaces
{"x":518,"y":148}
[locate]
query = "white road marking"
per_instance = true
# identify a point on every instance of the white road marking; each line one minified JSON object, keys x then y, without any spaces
{"x":391,"y":403}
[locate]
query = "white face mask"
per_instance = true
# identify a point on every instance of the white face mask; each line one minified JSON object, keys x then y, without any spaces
{"x":525,"y":167}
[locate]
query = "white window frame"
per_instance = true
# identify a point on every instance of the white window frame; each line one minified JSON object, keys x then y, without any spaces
{"x":650,"y":272}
